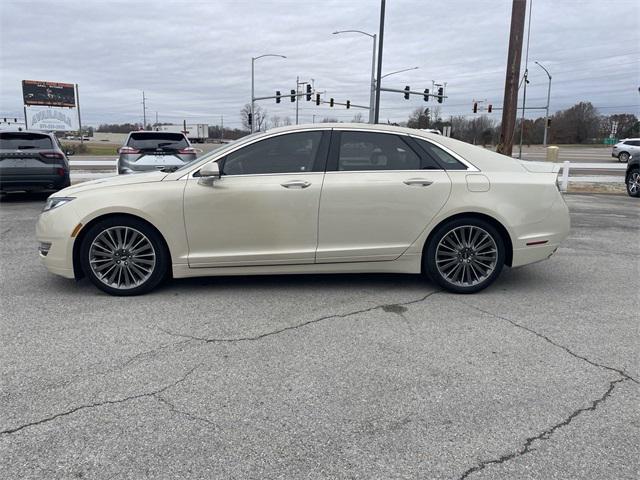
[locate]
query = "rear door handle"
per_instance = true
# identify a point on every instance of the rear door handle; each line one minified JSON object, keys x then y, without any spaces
{"x":418,"y":181}
{"x":296,"y":184}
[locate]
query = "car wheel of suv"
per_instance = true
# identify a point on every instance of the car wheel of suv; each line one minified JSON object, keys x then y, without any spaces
{"x":465,"y":255}
{"x":633,"y":183}
{"x":623,"y":157}
{"x":123,"y":256}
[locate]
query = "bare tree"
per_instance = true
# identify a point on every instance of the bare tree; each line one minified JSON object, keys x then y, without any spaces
{"x":329,"y":120}
{"x":358,"y":118}
{"x":259,"y":117}
{"x":275,"y":121}
{"x":286,"y":121}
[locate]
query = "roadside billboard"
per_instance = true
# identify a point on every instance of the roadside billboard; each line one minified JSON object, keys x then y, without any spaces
{"x":52,"y":94}
{"x":51,"y":118}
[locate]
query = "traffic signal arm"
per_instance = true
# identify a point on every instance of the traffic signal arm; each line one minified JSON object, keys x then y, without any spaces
{"x":411,"y":92}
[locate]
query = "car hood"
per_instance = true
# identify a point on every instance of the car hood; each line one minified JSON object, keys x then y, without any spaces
{"x":155,"y":176}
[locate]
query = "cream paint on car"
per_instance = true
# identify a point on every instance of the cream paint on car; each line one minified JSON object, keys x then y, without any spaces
{"x":271,"y":229}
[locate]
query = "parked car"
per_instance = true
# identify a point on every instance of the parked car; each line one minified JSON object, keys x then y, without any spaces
{"x":632,"y":176}
{"x":144,"y":151}
{"x":32,"y":161}
{"x":324,"y":198}
{"x":625,"y":148}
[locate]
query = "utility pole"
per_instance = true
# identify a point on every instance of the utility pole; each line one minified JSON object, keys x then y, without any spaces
{"x":156,"y":118}
{"x":221,"y":128}
{"x":376,"y":115}
{"x":144,"y":111}
{"x":510,"y":103}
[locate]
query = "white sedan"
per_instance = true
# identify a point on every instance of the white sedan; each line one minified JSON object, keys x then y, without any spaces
{"x":311,"y":199}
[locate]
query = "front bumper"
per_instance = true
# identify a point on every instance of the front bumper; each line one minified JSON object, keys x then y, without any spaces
{"x":53,"y":231}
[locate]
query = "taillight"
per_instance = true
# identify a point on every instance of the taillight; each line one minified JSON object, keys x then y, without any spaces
{"x":61,"y":172}
{"x":55,"y":155}
{"x":128,"y":150}
{"x":187,"y":150}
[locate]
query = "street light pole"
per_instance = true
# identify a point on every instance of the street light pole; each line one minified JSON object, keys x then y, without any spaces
{"x":398,"y":71}
{"x":372,"y":93}
{"x":253,"y":59}
{"x":546,"y":117}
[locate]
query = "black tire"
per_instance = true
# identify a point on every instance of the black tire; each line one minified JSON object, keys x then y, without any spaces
{"x":157,"y":273}
{"x":437,"y":245}
{"x":623,"y":157}
{"x":633,"y":183}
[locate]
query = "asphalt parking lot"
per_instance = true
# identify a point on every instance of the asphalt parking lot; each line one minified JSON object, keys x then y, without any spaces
{"x":356,"y":376}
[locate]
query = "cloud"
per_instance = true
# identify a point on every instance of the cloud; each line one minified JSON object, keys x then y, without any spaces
{"x":193,"y":58}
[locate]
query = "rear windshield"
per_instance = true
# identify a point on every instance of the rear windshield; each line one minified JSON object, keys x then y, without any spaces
{"x":24,"y":141}
{"x":155,"y":140}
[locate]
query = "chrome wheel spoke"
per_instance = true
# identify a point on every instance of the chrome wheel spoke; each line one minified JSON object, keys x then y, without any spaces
{"x":466,"y":255}
{"x":122,"y":257}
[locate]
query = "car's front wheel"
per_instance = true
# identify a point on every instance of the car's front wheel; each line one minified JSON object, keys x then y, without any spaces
{"x":633,"y":183}
{"x":465,"y":255}
{"x":623,"y":157}
{"x":123,"y":256}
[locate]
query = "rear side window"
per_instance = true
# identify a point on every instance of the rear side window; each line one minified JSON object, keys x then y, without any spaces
{"x":24,"y":141}
{"x":448,"y":161}
{"x":375,"y":151}
{"x":157,"y":140}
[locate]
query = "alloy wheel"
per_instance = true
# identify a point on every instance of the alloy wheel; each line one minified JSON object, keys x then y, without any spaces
{"x":466,"y":256}
{"x":633,"y":183}
{"x":122,"y":257}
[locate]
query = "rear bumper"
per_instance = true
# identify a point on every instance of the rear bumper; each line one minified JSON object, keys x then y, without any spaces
{"x":538,"y":241}
{"x":9,"y":183}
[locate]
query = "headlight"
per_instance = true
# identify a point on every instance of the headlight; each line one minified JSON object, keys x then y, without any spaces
{"x":55,"y":202}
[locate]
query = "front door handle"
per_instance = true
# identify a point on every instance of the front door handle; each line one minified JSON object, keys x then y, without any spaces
{"x":418,"y":181}
{"x":296,"y":184}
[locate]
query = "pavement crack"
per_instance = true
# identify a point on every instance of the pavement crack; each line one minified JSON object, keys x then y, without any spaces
{"x":547,"y":339}
{"x":395,"y":307}
{"x":546,"y":434}
{"x":184,"y":413}
{"x":153,"y":393}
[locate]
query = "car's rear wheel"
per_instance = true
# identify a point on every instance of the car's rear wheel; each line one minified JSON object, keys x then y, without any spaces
{"x":633,"y":183}
{"x":623,"y":157}
{"x":465,"y":255}
{"x":123,"y":256}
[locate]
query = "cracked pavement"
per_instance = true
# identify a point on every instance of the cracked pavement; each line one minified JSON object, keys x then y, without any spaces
{"x":355,"y":376}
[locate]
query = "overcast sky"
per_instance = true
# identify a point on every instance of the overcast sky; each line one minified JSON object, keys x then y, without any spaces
{"x":193,"y":57}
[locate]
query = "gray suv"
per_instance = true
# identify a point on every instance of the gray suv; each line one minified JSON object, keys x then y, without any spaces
{"x":144,"y":151}
{"x":32,"y":161}
{"x":625,"y":148}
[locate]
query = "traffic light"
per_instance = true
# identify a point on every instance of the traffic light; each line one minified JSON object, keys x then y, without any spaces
{"x":277,"y":96}
{"x":331,"y":102}
{"x":475,"y":107}
{"x":440,"y":94}
{"x":489,"y":108}
{"x":293,"y":95}
{"x":548,"y":122}
{"x":317,"y":99}
{"x":406,"y":89}
{"x":308,"y":92}
{"x":426,"y":94}
{"x":348,"y":103}
{"x":249,"y":119}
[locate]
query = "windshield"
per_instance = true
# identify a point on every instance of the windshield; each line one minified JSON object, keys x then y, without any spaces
{"x":157,"y":140}
{"x":24,"y":141}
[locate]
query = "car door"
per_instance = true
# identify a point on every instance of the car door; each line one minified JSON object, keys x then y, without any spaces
{"x":379,"y":194}
{"x":263,"y":210}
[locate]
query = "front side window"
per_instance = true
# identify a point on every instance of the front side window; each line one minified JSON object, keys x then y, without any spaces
{"x":290,"y":153}
{"x":375,"y":151}
{"x":448,"y":161}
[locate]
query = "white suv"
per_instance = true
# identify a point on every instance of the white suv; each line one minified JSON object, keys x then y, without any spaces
{"x":625,"y":148}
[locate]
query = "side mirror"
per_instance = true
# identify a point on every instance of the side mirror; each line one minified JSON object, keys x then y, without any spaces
{"x":210,"y":171}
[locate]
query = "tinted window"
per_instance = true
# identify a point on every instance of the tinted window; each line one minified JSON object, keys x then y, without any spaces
{"x":290,"y":153}
{"x":24,"y":141}
{"x":445,"y":159}
{"x":375,"y":151}
{"x":155,"y":140}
